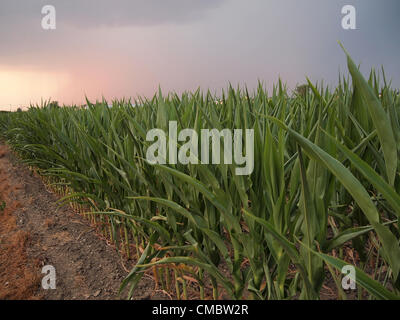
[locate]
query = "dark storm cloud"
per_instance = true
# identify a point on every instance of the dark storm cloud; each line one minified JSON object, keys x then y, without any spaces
{"x":123,"y":47}
{"x":23,"y":40}
{"x":92,"y":13}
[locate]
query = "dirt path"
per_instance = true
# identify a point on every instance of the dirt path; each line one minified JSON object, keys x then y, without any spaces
{"x":34,"y":231}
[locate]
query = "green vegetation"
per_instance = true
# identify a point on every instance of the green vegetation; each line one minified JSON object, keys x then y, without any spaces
{"x":326,"y":179}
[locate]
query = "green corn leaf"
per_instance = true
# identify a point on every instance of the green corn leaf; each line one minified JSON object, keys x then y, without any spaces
{"x":379,"y":118}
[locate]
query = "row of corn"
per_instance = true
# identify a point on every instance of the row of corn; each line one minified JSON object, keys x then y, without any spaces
{"x":325,"y":182}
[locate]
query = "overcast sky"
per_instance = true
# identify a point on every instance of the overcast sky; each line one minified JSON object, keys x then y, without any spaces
{"x":126,"y":48}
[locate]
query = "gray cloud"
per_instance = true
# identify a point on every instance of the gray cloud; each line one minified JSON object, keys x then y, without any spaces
{"x":133,"y":46}
{"x":92,"y":13}
{"x":21,"y":33}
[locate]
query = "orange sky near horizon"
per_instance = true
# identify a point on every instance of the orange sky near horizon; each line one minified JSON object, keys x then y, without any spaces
{"x":20,"y":88}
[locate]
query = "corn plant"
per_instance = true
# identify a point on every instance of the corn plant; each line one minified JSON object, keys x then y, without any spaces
{"x":325,"y":177}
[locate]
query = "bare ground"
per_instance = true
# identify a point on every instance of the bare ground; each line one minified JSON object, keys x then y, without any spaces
{"x":35,"y":231}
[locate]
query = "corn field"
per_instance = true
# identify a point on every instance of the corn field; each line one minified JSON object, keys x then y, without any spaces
{"x":325,"y":187}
